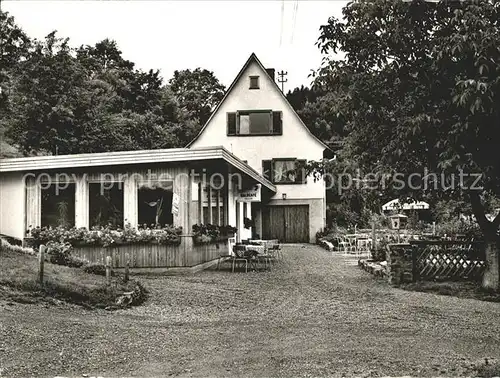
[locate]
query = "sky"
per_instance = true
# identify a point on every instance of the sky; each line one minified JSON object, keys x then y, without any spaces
{"x":175,"y":35}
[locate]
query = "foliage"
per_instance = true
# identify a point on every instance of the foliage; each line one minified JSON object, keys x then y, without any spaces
{"x":314,"y":108}
{"x":210,"y":233}
{"x":5,"y":245}
{"x":248,"y":223}
{"x":454,"y":227}
{"x":379,"y":252}
{"x":97,"y":269}
{"x":57,"y":99}
{"x":417,"y":89}
{"x":198,"y":91}
{"x":104,"y":236}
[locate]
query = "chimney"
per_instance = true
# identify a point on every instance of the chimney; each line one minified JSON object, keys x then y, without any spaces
{"x":270,"y":72}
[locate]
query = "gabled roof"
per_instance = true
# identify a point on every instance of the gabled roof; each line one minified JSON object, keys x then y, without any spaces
{"x":102,"y":159}
{"x":253,"y":58}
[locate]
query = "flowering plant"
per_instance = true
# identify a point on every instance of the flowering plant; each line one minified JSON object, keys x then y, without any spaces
{"x":105,"y":236}
{"x":210,"y":233}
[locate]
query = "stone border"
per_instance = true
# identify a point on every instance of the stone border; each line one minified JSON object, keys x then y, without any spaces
{"x":378,"y":269}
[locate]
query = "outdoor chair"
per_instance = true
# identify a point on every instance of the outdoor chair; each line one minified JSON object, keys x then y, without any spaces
{"x":241,"y":255}
{"x":229,"y":255}
{"x":275,"y":251}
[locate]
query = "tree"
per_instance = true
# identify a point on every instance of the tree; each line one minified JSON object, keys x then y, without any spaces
{"x":198,"y":92}
{"x":314,"y":108}
{"x":419,"y":86}
{"x":14,"y":49}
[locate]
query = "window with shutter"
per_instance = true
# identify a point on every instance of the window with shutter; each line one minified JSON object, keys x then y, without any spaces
{"x":266,"y":169}
{"x":301,"y":172}
{"x":231,"y":123}
{"x":277,"y":123}
{"x":287,"y":171}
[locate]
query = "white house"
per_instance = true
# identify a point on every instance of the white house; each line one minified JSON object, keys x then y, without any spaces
{"x":256,"y":122}
{"x":251,"y":144}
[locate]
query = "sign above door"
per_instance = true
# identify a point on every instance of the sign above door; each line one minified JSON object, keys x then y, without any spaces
{"x":250,"y":195}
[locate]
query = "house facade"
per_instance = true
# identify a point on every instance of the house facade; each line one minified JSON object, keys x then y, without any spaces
{"x":179,"y":187}
{"x":256,"y":123}
{"x":241,"y":171}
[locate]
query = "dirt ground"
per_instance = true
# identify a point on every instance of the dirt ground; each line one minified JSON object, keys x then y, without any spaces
{"x":314,"y":315}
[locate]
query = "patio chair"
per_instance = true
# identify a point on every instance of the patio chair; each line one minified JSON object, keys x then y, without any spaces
{"x":227,"y":256}
{"x":275,"y":251}
{"x":241,"y":255}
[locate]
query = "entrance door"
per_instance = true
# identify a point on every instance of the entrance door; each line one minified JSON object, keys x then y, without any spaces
{"x":288,"y":224}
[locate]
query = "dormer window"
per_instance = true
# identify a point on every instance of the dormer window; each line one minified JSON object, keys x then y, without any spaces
{"x":254,"y":82}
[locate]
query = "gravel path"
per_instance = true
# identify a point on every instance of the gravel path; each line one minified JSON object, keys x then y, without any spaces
{"x":314,"y":315}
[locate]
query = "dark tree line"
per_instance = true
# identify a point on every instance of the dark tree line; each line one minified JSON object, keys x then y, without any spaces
{"x":58,"y":99}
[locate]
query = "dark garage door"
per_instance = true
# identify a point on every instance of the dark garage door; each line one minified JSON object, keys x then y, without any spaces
{"x":288,"y":224}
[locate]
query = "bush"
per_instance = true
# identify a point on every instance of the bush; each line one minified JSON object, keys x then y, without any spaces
{"x":97,"y":269}
{"x":5,"y":245}
{"x":379,"y":253}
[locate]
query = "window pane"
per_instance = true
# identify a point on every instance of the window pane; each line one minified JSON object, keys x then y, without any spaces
{"x":58,"y":205}
{"x":284,"y":171}
{"x":106,"y":204}
{"x":244,"y":124}
{"x":260,"y":123}
{"x":155,"y":204}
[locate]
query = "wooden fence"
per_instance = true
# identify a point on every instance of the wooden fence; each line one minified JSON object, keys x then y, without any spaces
{"x":447,"y":260}
{"x":153,"y":255}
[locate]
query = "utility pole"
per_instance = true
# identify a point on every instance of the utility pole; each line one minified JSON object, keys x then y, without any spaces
{"x":282,"y":80}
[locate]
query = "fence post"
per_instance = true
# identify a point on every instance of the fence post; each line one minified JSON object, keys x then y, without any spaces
{"x":41,"y":260}
{"x":415,"y":270}
{"x":374,"y":236}
{"x":127,"y":266}
{"x":108,"y":270}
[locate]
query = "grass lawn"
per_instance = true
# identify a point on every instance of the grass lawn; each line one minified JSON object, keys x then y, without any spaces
{"x":19,"y":282}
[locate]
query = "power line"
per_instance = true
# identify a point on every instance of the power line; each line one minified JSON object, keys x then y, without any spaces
{"x":282,"y":14}
{"x":294,"y":19}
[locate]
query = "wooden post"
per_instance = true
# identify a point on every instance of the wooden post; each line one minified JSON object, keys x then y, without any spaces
{"x":210,"y":210}
{"x":200,"y":204}
{"x":41,"y":260}
{"x":374,"y":236}
{"x":218,"y":208}
{"x":108,"y":270}
{"x":433,"y":228}
{"x":127,"y":267}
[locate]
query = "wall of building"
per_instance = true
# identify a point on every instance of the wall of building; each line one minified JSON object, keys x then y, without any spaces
{"x":295,"y":141}
{"x":129,"y":180}
{"x":316,"y":213}
{"x":12,"y":204}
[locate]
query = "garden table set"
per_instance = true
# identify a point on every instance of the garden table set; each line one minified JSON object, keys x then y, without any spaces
{"x":251,"y":253}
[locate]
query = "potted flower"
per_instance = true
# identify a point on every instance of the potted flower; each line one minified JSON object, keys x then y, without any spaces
{"x":248,"y":223}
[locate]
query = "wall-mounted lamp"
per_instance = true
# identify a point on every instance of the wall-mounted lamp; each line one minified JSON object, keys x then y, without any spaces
{"x":284,"y":196}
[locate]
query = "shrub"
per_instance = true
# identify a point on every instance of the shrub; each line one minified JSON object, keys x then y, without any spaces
{"x":379,"y":253}
{"x":97,"y":269}
{"x":5,"y":245}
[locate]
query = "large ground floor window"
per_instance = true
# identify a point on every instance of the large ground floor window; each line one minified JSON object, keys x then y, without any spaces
{"x":155,"y":204}
{"x":217,"y":204}
{"x":58,"y":205}
{"x":106,"y":205}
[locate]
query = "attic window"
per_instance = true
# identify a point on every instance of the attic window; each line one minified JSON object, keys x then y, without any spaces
{"x":254,"y":82}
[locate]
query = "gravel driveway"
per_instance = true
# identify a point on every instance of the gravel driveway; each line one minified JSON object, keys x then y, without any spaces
{"x":314,"y":315}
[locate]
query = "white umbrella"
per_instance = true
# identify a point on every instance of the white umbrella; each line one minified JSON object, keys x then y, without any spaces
{"x":396,"y":205}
